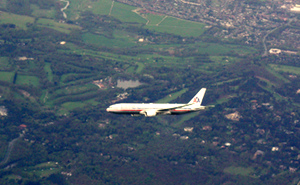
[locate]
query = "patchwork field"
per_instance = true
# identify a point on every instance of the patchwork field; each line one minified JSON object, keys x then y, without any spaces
{"x":172,"y":96}
{"x":19,"y":20}
{"x":62,"y":27}
{"x":4,"y":62}
{"x":239,"y":170}
{"x":48,"y":70}
{"x":7,"y":76}
{"x":37,"y":12}
{"x":175,"y":26}
{"x":27,"y":80}
{"x":286,"y":69}
{"x":100,"y":40}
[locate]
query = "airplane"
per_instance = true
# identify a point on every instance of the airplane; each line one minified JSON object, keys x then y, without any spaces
{"x":154,"y":109}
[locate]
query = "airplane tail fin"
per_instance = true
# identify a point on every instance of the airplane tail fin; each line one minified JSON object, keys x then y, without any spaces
{"x":198,"y":97}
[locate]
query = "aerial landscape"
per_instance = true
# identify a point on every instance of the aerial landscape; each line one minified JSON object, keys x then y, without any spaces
{"x":65,"y":63}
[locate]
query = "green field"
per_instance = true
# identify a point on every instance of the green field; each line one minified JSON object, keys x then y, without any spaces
{"x":37,"y":12}
{"x":27,"y":80}
{"x":77,"y":89}
{"x":176,"y":26}
{"x":100,"y":40}
{"x":154,"y":19}
{"x":61,"y":27}
{"x":286,"y":69}
{"x":103,"y":7}
{"x":172,"y":96}
{"x":124,"y":13}
{"x":275,"y":73}
{"x":7,"y":76}
{"x":140,"y":67}
{"x":239,"y":170}
{"x":48,"y":70}
{"x":221,"y":49}
{"x":43,"y":169}
{"x":19,"y":20}
{"x":4,"y":62}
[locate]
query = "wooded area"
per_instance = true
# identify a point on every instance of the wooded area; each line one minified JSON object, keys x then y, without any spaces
{"x":65,"y":136}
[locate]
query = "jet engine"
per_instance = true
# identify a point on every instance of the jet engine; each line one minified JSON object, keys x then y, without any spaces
{"x":150,"y":113}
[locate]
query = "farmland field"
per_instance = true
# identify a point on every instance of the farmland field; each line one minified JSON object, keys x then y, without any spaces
{"x":4,"y":62}
{"x":239,"y":170}
{"x":7,"y":76}
{"x":125,"y":14}
{"x":154,"y":19}
{"x":100,"y":40}
{"x":48,"y":70}
{"x":103,"y":7}
{"x":37,"y":12}
{"x":286,"y":69}
{"x":18,"y":20}
{"x":172,"y":96}
{"x":176,"y":26}
{"x":65,"y":28}
{"x":27,"y":80}
{"x":219,"y":49}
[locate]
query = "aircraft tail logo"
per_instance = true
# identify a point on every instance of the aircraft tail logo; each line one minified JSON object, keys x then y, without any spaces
{"x":198,"y":97}
{"x":196,"y":100}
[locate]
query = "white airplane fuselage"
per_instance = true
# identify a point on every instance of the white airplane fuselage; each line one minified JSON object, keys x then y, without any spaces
{"x":153,"y":109}
{"x":137,"y":108}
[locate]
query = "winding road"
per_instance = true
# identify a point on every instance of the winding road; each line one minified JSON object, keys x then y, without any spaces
{"x":9,"y":149}
{"x":64,"y":8}
{"x":269,"y":32}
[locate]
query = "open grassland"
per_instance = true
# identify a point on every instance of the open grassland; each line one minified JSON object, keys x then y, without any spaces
{"x":77,"y":6}
{"x":131,"y":69}
{"x":223,"y":49}
{"x":140,"y":67}
{"x":48,"y":70}
{"x":275,"y":73}
{"x":4,"y":62}
{"x":125,"y":14}
{"x":61,"y":27}
{"x":154,"y":19}
{"x":43,"y":169}
{"x":74,"y":49}
{"x":104,"y":7}
{"x":73,"y":105}
{"x":177,"y":26}
{"x":27,"y":80}
{"x":3,"y":4}
{"x":224,"y":59}
{"x":185,"y":117}
{"x":7,"y":76}
{"x":286,"y":69}
{"x":101,"y":7}
{"x":239,"y":170}
{"x":172,"y":96}
{"x":227,"y":81}
{"x":19,"y":20}
{"x":77,"y":89}
{"x":37,"y":12}
{"x":100,"y":40}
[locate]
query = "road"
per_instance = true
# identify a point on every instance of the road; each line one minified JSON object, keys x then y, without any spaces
{"x":64,"y":8}
{"x":269,"y":32}
{"x":9,"y":149}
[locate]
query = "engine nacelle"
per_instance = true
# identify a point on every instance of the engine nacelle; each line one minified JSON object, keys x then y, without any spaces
{"x":150,"y":113}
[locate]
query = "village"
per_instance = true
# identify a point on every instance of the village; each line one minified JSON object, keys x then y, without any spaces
{"x":249,"y":22}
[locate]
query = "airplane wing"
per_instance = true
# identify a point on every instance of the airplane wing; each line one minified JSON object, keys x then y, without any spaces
{"x":172,"y":108}
{"x":154,"y":112}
